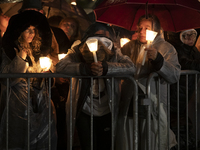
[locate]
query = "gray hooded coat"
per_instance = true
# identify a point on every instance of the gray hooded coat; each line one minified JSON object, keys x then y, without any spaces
{"x":118,"y":65}
{"x":169,"y":71}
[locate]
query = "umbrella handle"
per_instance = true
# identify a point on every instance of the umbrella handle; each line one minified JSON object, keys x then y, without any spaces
{"x":146,"y":10}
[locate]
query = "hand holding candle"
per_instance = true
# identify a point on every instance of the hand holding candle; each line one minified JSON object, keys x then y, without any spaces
{"x":45,"y":63}
{"x":93,"y":44}
{"x":150,"y":35}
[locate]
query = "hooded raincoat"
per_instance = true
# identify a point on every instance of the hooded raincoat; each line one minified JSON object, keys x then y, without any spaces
{"x":118,"y":64}
{"x":169,"y":71}
{"x":18,"y":95}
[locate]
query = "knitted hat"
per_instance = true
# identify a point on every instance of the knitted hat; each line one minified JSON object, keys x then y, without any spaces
{"x":31,"y":4}
{"x":181,"y":37}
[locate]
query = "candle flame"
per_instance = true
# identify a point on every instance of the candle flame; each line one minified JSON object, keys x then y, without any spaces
{"x":45,"y":63}
{"x":123,"y":41}
{"x":92,"y":44}
{"x":150,"y":35}
{"x":61,"y":56}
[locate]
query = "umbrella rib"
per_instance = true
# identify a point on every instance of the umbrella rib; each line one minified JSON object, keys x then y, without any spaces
{"x":171,"y":17}
{"x":135,"y":15}
{"x":13,"y":6}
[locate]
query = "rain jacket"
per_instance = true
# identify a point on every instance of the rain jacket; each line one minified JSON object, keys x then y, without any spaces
{"x":117,"y":65}
{"x":189,"y":60}
{"x":18,"y":93}
{"x":18,"y":102}
{"x":169,"y":72}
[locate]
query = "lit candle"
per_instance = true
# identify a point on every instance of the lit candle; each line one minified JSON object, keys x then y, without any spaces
{"x":92,"y":44}
{"x":123,"y":41}
{"x":61,"y":56}
{"x":150,"y":35}
{"x":45,"y":63}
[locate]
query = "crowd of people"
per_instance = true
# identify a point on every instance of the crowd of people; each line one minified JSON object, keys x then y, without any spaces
{"x":29,"y":35}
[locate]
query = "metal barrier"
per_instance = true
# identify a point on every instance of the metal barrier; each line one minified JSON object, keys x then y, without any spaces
{"x":155,"y":77}
{"x":70,"y":140}
{"x":146,"y":101}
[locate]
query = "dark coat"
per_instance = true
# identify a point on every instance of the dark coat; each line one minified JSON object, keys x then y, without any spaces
{"x":189,"y":59}
{"x":63,"y":42}
{"x":18,"y":92}
{"x":18,"y":23}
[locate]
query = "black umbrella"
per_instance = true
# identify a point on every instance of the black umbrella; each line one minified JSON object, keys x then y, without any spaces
{"x":51,"y":8}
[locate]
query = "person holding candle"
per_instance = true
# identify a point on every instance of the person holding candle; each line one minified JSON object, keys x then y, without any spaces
{"x":56,"y":42}
{"x":161,"y":58}
{"x":21,"y":54}
{"x":80,"y":61}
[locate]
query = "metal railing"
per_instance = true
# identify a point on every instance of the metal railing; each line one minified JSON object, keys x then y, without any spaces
{"x":157,"y":78}
{"x":49,"y":76}
{"x":146,"y":101}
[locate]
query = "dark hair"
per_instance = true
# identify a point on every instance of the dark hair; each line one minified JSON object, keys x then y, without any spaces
{"x":92,"y":29}
{"x":154,"y":19}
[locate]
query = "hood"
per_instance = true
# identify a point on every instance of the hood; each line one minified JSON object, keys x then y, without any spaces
{"x":19,"y":23}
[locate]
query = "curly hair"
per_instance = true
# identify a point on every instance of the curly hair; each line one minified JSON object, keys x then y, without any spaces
{"x":33,"y":48}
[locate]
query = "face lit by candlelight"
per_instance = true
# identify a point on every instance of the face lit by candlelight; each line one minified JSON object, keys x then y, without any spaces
{"x":69,"y":27}
{"x":28,"y":34}
{"x":143,"y":26}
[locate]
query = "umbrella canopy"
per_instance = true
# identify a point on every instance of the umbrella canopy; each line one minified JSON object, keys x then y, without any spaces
{"x":10,"y":8}
{"x":63,"y":9}
{"x":174,"y":15}
{"x":51,"y":8}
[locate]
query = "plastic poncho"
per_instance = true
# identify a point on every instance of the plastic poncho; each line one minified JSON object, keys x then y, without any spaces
{"x":18,"y":93}
{"x":169,"y":73}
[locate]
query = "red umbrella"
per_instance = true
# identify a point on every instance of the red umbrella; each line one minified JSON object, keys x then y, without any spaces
{"x":174,"y":15}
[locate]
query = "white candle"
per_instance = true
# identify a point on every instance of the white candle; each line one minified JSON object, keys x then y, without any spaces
{"x":95,"y":56}
{"x":92,"y":45}
{"x":150,"y":35}
{"x":123,"y":41}
{"x":61,"y":56}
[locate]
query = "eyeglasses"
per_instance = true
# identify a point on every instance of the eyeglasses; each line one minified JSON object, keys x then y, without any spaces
{"x":187,"y":36}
